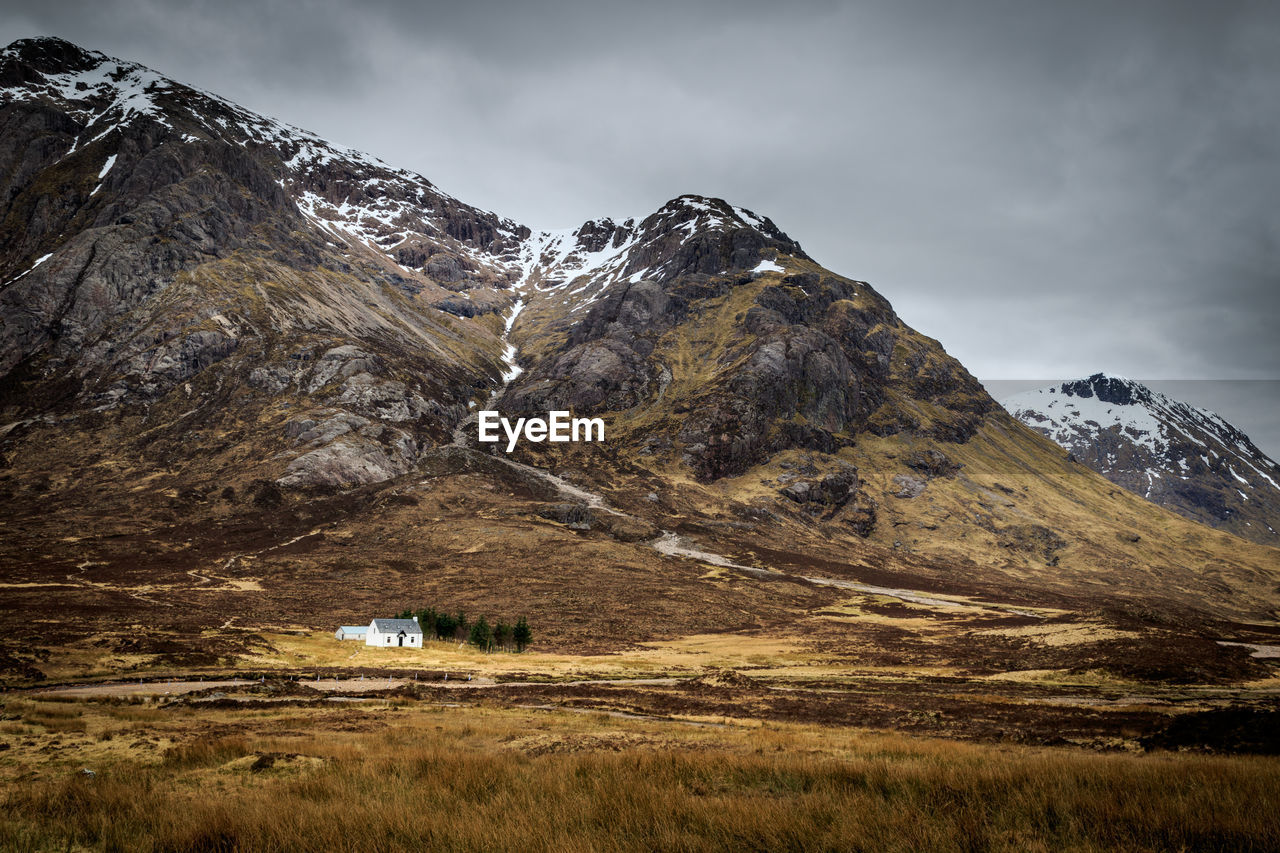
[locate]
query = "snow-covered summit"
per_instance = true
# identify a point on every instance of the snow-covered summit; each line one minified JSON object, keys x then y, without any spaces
{"x":1174,"y":453}
{"x":709,"y":234}
{"x":354,"y":198}
{"x":1110,"y":402}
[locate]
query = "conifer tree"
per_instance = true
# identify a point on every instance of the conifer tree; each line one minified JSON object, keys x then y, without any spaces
{"x":521,"y":635}
{"x":502,"y":633}
{"x":446,"y":626}
{"x":427,"y":619}
{"x":482,"y":635}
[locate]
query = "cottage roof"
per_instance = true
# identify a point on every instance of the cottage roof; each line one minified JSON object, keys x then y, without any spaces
{"x":395,"y":626}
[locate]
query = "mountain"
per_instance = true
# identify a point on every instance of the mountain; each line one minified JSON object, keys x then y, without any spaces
{"x":240,"y":368}
{"x":1177,"y":455}
{"x":189,"y":233}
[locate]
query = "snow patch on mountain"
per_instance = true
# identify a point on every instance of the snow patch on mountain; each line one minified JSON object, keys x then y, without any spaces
{"x":129,"y":88}
{"x":1061,"y":414}
{"x":563,"y":257}
{"x":40,"y":260}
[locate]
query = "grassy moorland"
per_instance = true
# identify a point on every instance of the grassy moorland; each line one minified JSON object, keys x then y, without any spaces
{"x":400,"y":774}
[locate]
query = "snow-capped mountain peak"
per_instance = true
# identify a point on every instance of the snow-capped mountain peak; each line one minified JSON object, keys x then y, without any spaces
{"x":360,"y":204}
{"x":354,"y":198}
{"x":1179,"y":455}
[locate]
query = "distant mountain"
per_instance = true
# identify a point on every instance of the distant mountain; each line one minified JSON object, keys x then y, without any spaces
{"x":1180,"y":456}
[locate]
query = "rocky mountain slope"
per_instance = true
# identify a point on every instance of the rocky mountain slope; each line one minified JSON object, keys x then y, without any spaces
{"x":239,"y":368}
{"x":1177,"y":455}
{"x":159,"y":238}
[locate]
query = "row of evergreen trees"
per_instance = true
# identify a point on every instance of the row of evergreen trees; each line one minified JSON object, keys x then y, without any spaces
{"x":438,"y":625}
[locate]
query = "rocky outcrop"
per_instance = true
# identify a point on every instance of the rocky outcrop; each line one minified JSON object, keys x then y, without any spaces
{"x":836,"y":495}
{"x":354,"y":461}
{"x":932,"y":463}
{"x":179,"y":359}
{"x":608,"y":362}
{"x":693,"y":235}
{"x":460,"y":306}
{"x":810,"y":377}
{"x":909,"y":486}
{"x":388,"y":401}
{"x":577,"y":516}
{"x":346,"y":450}
{"x":831,"y":492}
{"x":339,"y":363}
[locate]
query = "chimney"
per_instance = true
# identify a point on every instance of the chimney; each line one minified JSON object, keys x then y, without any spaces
{"x":415,"y":619}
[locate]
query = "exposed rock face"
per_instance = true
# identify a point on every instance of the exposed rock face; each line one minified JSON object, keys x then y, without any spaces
{"x":462,"y":307}
{"x":809,"y":364}
{"x":605,"y":365}
{"x":1177,"y":455}
{"x":692,"y":235}
{"x":909,"y":486}
{"x":347,"y":450}
{"x":932,"y":463}
{"x":836,"y":495}
{"x":351,"y":462}
{"x":834,"y":490}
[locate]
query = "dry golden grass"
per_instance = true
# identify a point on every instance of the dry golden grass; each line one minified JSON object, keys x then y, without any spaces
{"x":405,"y":776}
{"x":676,"y":656}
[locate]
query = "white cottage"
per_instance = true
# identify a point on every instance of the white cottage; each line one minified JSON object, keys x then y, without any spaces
{"x":351,"y":632}
{"x":391,"y":633}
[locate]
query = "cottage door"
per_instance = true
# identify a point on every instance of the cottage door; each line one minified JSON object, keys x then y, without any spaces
{"x":402,"y":638}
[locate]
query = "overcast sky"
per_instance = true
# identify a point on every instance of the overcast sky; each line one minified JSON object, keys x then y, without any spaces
{"x":1049,"y":188}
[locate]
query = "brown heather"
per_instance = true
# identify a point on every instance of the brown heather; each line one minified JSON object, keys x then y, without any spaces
{"x":423,"y":778}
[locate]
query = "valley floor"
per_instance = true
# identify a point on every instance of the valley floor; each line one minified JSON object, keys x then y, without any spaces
{"x":698,"y":743}
{"x":395,"y":772}
{"x":696,"y":703}
{"x":717,"y":679}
